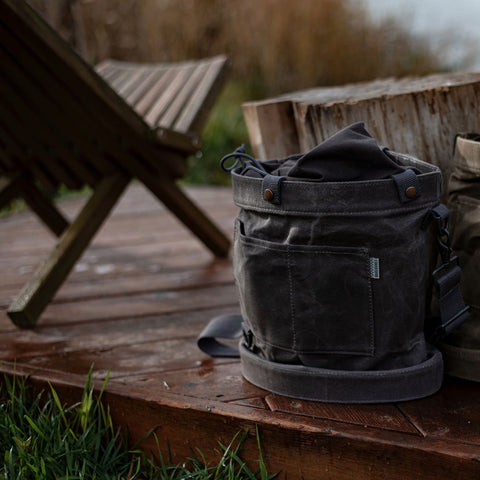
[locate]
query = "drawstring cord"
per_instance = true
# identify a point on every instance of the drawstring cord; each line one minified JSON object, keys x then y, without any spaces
{"x":240,"y":162}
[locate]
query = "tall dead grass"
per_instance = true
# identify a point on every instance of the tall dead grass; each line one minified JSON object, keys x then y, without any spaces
{"x":275,"y":45}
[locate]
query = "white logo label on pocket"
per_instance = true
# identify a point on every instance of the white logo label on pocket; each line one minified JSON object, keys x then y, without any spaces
{"x":374,"y":268}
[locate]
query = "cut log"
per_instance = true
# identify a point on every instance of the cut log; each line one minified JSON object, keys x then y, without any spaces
{"x":417,"y":116}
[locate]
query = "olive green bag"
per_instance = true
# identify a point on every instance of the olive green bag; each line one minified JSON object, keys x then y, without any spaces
{"x":461,"y":349}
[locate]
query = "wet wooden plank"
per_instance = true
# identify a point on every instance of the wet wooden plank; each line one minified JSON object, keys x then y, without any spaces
{"x":385,"y":416}
{"x":222,"y":383}
{"x":148,"y":357}
{"x":103,"y":250}
{"x":91,"y":264}
{"x":146,"y":337}
{"x":142,"y":305}
{"x":58,"y":339}
{"x":157,"y":237}
{"x":119,"y":253}
{"x":300,"y":448}
{"x":139,"y":201}
{"x":453,"y":413}
{"x":102,"y":279}
{"x":254,"y":402}
{"x":297,"y":448}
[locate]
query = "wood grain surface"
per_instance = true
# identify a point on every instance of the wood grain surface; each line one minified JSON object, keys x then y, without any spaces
{"x":133,"y":307}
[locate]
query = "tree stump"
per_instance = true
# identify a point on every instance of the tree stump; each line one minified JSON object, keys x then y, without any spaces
{"x":416,"y":116}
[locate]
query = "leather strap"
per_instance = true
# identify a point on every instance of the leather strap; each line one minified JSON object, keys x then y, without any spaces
{"x":271,"y":188}
{"x":224,"y":327}
{"x":408,"y":185}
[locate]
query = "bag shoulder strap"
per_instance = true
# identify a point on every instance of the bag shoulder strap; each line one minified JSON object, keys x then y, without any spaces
{"x":446,"y":280}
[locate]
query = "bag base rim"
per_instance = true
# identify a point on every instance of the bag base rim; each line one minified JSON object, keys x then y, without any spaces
{"x":341,"y":386}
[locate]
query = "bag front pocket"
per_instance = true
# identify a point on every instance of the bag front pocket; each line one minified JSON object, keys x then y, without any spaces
{"x":306,"y":298}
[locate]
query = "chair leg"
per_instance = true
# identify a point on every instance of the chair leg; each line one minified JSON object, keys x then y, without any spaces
{"x":37,"y":293}
{"x":189,"y":214}
{"x":167,"y":191}
{"x":19,"y":186}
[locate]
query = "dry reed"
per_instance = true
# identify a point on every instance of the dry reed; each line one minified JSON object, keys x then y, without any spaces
{"x":275,"y":45}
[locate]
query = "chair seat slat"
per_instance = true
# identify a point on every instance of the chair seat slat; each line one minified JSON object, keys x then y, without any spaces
{"x":154,"y":115}
{"x":182,"y":98}
{"x":134,"y":77}
{"x":193,"y":115}
{"x":118,"y":78}
{"x":138,"y":91}
{"x":103,"y":68}
{"x":154,"y":93}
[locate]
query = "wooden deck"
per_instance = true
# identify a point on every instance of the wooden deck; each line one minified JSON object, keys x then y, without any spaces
{"x":134,"y":305}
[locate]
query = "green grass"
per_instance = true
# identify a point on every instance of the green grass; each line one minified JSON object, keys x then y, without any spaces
{"x":15,"y":206}
{"x":41,"y":439}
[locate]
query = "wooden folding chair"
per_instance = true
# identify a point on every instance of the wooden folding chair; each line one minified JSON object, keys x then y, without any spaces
{"x":61,"y":122}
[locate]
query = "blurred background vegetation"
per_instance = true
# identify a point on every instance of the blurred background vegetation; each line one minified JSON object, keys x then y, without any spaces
{"x":276,"y":46}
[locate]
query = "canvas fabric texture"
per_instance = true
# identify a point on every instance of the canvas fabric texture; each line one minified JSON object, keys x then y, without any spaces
{"x":462,"y":348}
{"x":332,"y":262}
{"x":332,"y":272}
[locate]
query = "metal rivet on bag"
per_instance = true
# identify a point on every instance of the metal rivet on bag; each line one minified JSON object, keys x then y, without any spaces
{"x":411,"y":192}
{"x":268,"y":194}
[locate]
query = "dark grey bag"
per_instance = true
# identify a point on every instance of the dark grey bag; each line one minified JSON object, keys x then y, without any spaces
{"x":331,"y":256}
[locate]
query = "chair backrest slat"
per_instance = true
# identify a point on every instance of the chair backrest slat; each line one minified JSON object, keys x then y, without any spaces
{"x":49,"y":126}
{"x":28,"y":127}
{"x":10,"y":153}
{"x":16,"y":158}
{"x":71,"y":69}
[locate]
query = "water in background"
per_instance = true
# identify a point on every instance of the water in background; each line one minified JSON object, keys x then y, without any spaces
{"x":436,"y":19}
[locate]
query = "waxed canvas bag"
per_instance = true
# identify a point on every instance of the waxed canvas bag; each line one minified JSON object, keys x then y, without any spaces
{"x":331,"y":261}
{"x":462,"y":348}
